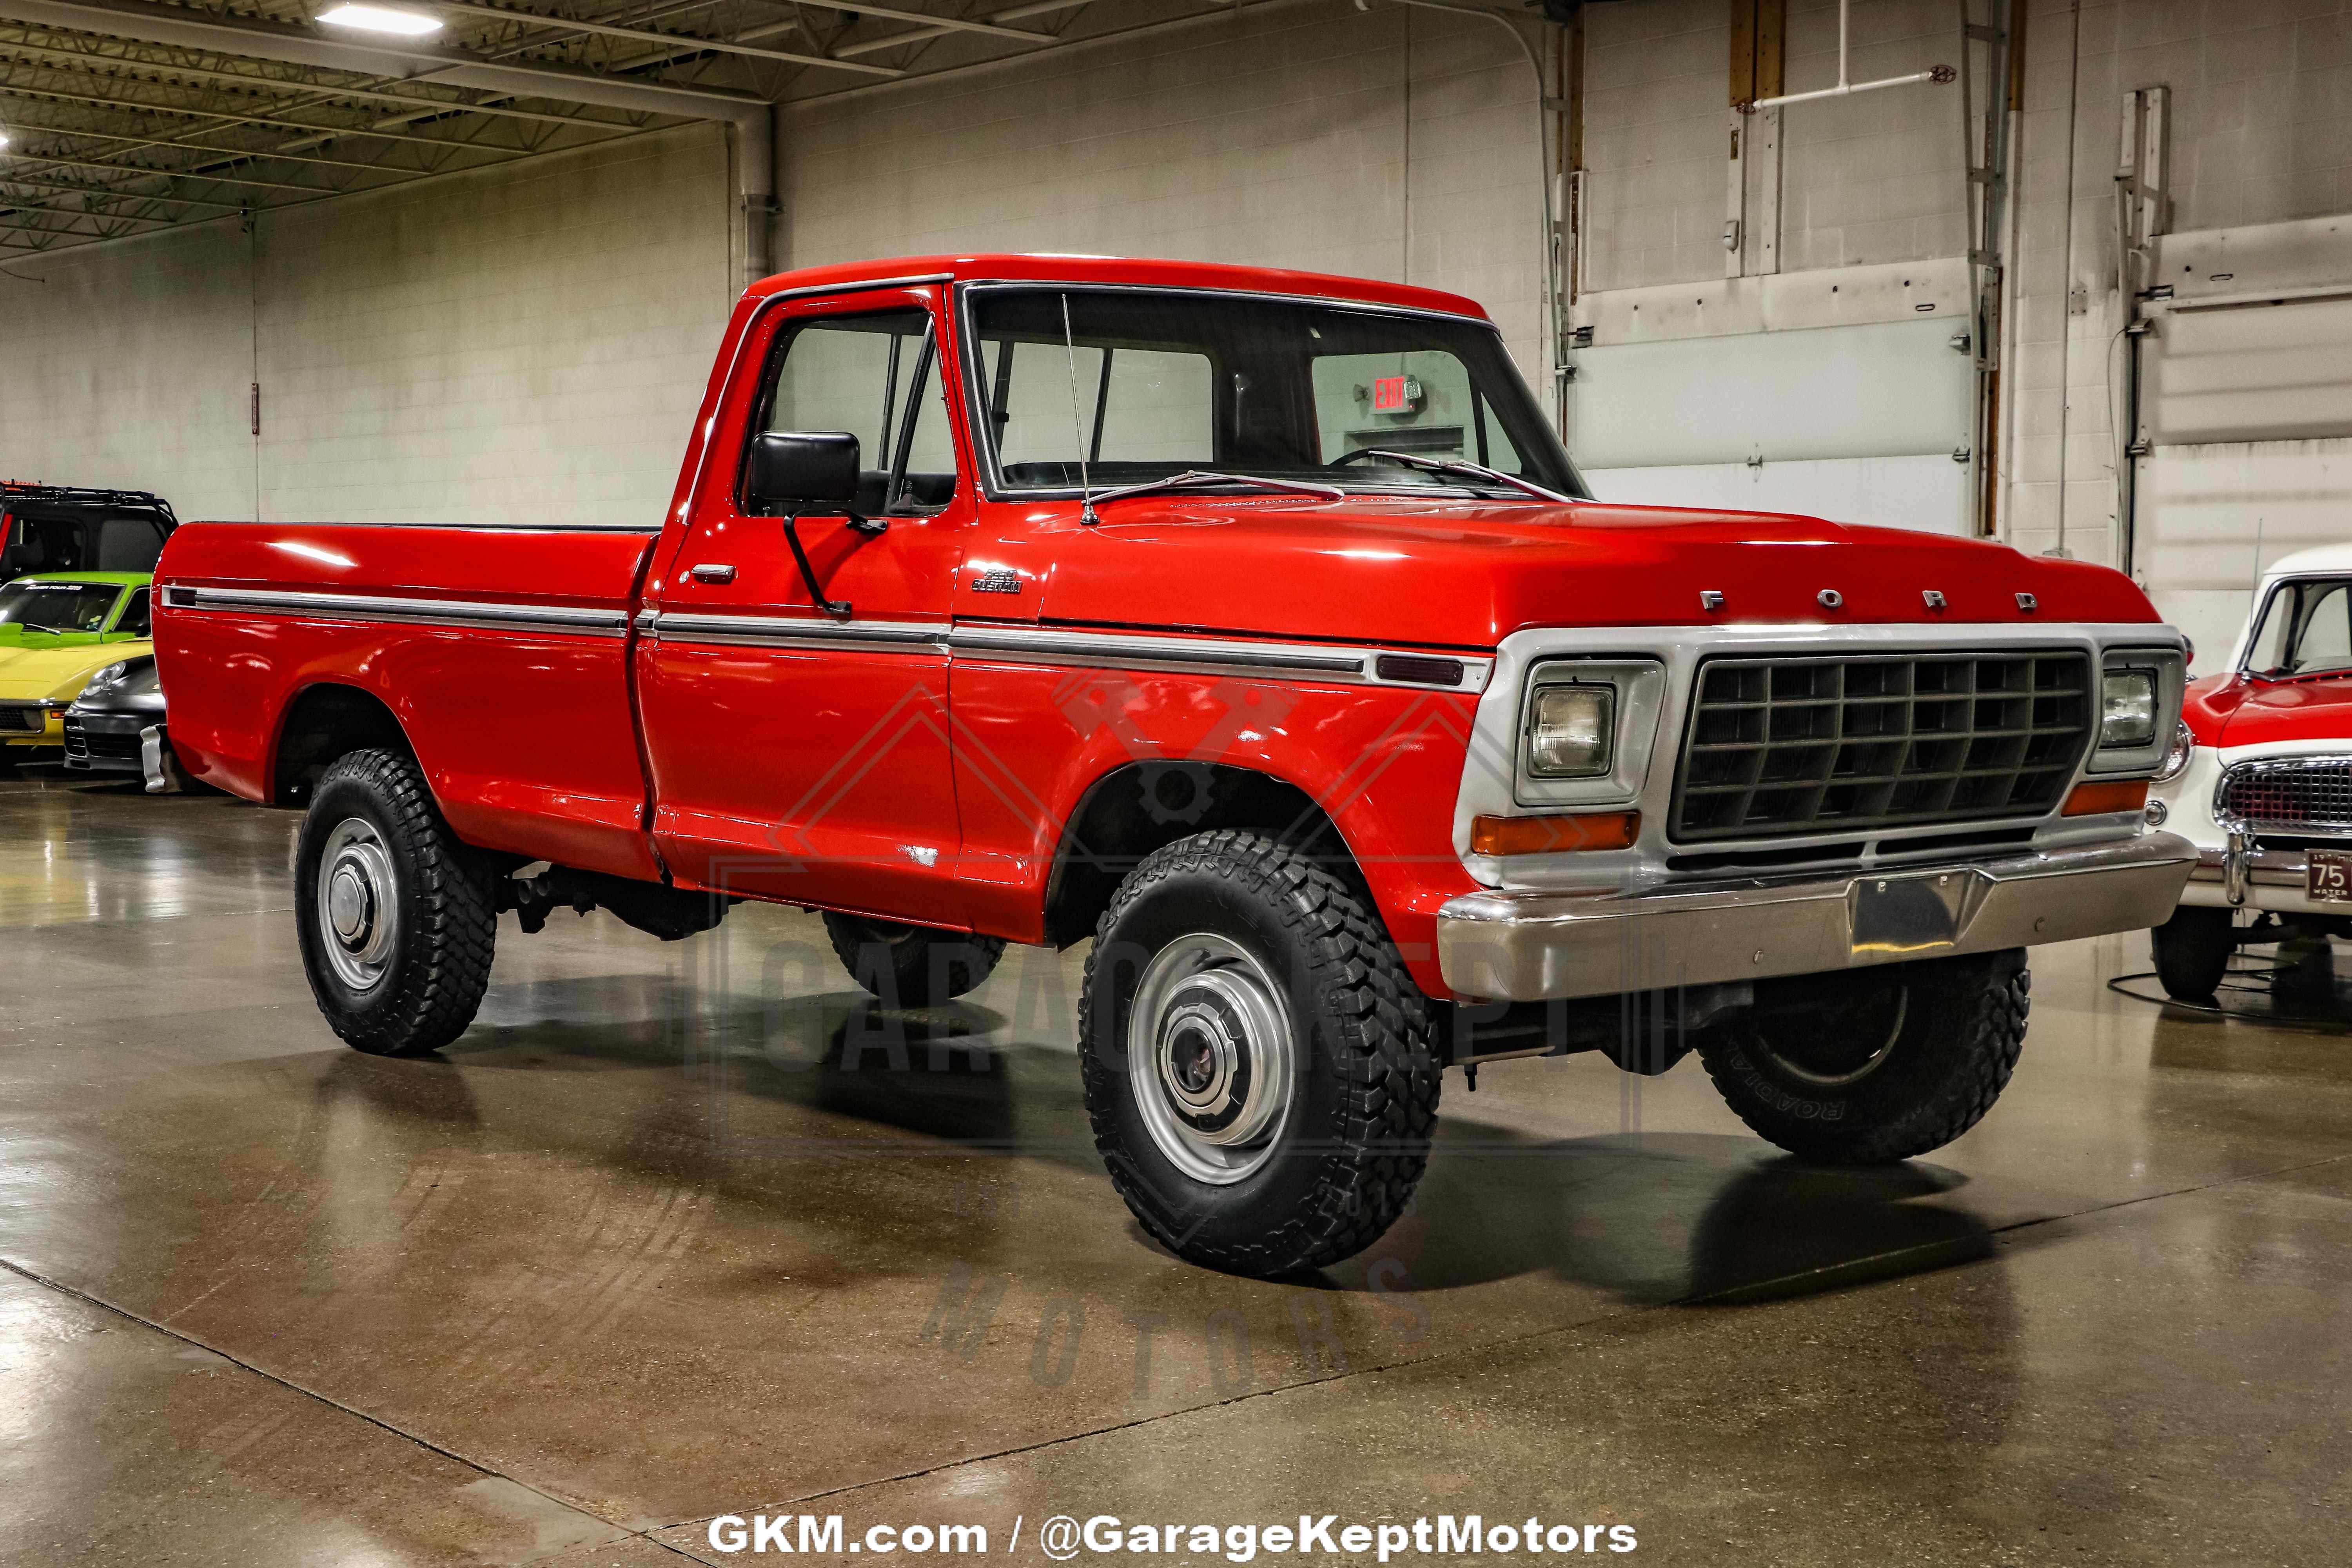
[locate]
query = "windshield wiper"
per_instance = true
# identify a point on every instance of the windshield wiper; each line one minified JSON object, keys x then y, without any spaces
{"x":1199,"y":478}
{"x":1459,"y":466}
{"x":37,"y":626}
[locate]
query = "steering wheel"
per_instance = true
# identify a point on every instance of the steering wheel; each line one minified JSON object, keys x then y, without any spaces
{"x":1344,"y":458}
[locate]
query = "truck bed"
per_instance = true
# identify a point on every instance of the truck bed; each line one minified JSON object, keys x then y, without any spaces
{"x":502,"y":651}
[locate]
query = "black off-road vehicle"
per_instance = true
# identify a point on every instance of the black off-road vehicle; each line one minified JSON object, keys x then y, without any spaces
{"x":61,"y":528}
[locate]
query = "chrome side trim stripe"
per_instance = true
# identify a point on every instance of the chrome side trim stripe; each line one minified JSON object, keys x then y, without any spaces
{"x":793,"y":631}
{"x":473,"y":613}
{"x":1337,"y":663}
{"x":1050,"y":646}
{"x":1038,"y":645}
{"x":1334,"y":663}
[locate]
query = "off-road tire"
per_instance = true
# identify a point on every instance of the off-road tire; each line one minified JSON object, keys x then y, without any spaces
{"x":911,"y":966}
{"x":1364,"y":1085}
{"x":445,"y":922}
{"x":1962,"y":1022}
{"x":2192,"y":952}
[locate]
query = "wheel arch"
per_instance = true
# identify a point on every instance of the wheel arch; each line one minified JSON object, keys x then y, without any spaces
{"x":324,"y":720}
{"x":1133,"y":809}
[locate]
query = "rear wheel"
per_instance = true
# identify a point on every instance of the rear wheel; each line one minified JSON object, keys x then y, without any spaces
{"x":911,"y":966}
{"x":1257,"y":1061}
{"x":1874,"y":1065}
{"x":395,"y":916}
{"x":2192,"y":950}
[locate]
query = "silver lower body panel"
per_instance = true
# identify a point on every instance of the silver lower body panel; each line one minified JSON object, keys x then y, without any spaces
{"x":1526,"y":946}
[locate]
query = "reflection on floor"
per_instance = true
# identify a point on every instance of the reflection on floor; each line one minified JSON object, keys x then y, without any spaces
{"x":677,"y":1232}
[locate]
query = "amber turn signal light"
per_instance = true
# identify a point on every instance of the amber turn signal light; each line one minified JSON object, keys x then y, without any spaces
{"x":1553,"y":835}
{"x":2094,"y":799}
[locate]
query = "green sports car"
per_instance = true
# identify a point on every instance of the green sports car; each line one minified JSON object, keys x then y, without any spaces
{"x":70,"y":609}
{"x":56,"y":629}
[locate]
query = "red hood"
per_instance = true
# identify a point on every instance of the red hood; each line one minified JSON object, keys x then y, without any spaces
{"x":1467,"y":574}
{"x":2235,"y":710}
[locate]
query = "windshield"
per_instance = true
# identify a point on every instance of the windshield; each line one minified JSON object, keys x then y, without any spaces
{"x":57,"y":606}
{"x":1148,"y":384}
{"x":2306,"y":630}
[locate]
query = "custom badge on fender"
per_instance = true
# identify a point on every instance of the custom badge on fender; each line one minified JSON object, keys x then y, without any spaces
{"x":996,"y":581}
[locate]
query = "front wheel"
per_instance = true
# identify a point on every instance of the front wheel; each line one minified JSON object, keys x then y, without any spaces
{"x":1874,"y":1065}
{"x":1257,"y":1062}
{"x":2192,"y":952}
{"x":395,"y":916}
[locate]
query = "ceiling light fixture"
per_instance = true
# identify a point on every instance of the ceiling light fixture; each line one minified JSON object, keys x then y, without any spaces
{"x":380,"y":19}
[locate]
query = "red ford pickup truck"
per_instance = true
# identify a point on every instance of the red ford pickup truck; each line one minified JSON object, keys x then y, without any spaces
{"x":1255,"y":626}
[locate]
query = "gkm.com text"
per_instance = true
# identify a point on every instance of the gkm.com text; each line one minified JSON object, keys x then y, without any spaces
{"x":1064,"y":1537}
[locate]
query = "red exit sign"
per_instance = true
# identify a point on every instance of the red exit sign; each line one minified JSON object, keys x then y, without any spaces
{"x":1395,"y":395}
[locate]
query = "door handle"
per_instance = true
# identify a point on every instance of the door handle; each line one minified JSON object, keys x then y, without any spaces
{"x":712,"y":571}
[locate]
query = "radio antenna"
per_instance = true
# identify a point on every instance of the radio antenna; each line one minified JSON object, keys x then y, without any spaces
{"x":1078,"y":425}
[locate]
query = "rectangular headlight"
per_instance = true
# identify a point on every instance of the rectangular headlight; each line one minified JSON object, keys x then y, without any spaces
{"x":2128,"y":716}
{"x":1572,"y":731}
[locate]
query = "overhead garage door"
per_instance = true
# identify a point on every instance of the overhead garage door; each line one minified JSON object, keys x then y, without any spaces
{"x":1847,"y":394}
{"x":2245,"y":416}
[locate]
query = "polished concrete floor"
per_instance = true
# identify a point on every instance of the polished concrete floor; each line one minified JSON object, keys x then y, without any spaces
{"x":674,"y":1234}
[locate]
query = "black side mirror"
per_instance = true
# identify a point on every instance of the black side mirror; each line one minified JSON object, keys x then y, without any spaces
{"x":800,"y":469}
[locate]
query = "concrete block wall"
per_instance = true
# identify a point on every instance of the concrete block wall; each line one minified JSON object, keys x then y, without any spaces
{"x":131,"y":367}
{"x":2262,"y":131}
{"x":1866,"y":179}
{"x":1877,"y":177}
{"x":1655,"y":142}
{"x":1394,"y":145}
{"x":526,"y":344}
{"x":490,"y":349}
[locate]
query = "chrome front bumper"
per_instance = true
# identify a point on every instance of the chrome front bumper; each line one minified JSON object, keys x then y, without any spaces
{"x":2243,"y":874}
{"x":1525,"y":946}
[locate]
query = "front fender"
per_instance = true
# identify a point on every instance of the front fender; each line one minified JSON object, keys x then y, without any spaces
{"x":1382,"y":763}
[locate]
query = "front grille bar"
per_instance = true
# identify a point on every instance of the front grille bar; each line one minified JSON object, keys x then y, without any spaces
{"x":1786,"y":746}
{"x":2289,"y":794}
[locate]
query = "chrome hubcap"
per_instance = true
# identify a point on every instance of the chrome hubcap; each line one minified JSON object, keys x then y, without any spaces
{"x":1209,"y":1057}
{"x":355,"y":902}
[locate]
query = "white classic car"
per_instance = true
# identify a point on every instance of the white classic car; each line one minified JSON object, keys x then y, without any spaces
{"x":2260,"y":779}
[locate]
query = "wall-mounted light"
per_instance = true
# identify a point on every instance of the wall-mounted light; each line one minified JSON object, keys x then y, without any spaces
{"x":380,"y":19}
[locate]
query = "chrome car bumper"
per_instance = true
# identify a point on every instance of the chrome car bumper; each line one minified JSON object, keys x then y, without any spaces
{"x":2243,"y":874}
{"x":1526,"y":946}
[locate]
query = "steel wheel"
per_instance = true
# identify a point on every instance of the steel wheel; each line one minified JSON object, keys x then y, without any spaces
{"x":1844,"y":1041}
{"x":1873,"y":1065}
{"x":356,"y":901}
{"x":1209,"y":1057}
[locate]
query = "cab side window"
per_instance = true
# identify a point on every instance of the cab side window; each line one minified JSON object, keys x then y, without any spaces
{"x":137,"y":620}
{"x":878,"y":378}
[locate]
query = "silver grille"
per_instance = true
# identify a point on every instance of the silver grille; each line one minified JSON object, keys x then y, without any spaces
{"x":1784,"y":746}
{"x":2289,"y":794}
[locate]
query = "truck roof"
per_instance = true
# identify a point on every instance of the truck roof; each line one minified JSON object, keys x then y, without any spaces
{"x":2309,"y":562}
{"x":1114,"y":269}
